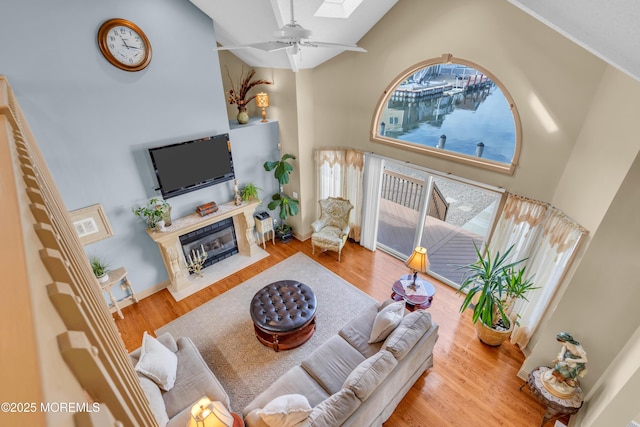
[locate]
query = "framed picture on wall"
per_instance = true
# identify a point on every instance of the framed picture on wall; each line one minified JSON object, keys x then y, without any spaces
{"x":91,"y":224}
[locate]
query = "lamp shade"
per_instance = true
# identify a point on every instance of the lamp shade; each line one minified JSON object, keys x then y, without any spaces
{"x":206,"y":413}
{"x":262,"y":100}
{"x":418,"y":261}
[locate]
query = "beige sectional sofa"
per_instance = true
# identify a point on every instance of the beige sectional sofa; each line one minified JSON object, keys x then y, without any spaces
{"x":348,"y":381}
{"x":193,"y":380}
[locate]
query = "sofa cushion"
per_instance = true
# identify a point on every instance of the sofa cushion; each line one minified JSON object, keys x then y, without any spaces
{"x":194,"y":379}
{"x":156,"y":403}
{"x":285,"y":411}
{"x":368,"y":375}
{"x":358,"y":331}
{"x":406,"y":335}
{"x":295,"y":381}
{"x":157,"y":362}
{"x":332,"y":362}
{"x":386,"y":321}
{"x":334,"y":410}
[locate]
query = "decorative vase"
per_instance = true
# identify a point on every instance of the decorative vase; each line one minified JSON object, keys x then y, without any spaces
{"x":492,"y":336}
{"x":104,"y":278}
{"x":167,"y":216}
{"x":160,"y":225}
{"x":243,"y":116}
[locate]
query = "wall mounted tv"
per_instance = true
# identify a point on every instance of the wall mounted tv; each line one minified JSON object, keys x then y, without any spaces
{"x":192,"y":165}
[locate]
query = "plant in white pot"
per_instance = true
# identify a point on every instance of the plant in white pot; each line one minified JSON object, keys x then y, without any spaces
{"x":493,"y":285}
{"x":100,"y":268}
{"x":154,"y":212}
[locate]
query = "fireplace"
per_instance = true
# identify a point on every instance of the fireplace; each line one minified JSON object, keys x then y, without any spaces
{"x":217,"y":239}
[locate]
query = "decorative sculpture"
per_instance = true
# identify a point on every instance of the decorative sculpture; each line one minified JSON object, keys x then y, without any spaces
{"x":571,"y":363}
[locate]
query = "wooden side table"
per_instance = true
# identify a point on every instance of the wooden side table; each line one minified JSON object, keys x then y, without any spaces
{"x":118,"y":277}
{"x":265,"y":226}
{"x":555,"y":406}
{"x":413,"y":302}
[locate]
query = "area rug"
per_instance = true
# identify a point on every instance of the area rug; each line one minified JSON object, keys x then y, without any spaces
{"x":223,"y":332}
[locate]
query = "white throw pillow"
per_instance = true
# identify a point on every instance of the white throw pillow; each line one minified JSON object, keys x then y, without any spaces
{"x":386,"y":321}
{"x":286,"y":411}
{"x":157,"y":362}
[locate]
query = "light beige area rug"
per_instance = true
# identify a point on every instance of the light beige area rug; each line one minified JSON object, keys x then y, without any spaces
{"x":223,"y":332}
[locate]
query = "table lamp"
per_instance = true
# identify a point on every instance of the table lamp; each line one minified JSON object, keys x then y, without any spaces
{"x":418,"y":262}
{"x":262,"y":101}
{"x":206,"y":413}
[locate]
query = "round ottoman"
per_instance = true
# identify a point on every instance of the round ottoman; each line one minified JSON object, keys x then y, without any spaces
{"x":284,"y":314}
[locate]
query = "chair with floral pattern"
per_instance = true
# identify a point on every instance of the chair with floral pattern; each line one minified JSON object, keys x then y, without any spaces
{"x":330,"y":232}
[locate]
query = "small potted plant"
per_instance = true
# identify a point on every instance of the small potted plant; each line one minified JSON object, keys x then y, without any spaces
{"x":100,"y":268}
{"x":249,"y":192}
{"x":493,"y":284}
{"x":155,"y":211}
{"x":288,"y":205}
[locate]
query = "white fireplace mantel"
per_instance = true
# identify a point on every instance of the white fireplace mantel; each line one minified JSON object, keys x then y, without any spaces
{"x":181,"y":282}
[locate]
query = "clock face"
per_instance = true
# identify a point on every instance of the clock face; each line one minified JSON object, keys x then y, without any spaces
{"x":124,"y":45}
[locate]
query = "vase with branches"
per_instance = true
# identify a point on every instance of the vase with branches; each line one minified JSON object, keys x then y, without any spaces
{"x":239,"y":95}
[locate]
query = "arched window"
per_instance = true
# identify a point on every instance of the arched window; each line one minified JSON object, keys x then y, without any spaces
{"x":454,"y":109}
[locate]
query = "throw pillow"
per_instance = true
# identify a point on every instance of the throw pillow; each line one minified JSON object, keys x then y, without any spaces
{"x":157,"y":362}
{"x":286,"y":411}
{"x":386,"y":321}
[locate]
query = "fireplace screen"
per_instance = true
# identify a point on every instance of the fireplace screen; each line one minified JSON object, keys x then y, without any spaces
{"x":218,"y":241}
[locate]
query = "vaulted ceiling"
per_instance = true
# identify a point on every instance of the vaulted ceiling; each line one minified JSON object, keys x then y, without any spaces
{"x":608,"y":29}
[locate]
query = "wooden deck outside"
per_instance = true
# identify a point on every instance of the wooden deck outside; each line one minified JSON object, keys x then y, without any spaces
{"x":448,"y":246}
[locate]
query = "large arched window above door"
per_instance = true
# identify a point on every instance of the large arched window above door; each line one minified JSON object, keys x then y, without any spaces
{"x":454,"y":109}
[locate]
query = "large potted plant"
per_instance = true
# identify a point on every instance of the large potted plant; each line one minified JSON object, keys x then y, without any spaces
{"x":288,"y":205}
{"x":493,"y":285}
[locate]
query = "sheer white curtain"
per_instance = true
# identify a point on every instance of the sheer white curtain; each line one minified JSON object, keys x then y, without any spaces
{"x":340,"y":174}
{"x":548,"y":238}
{"x":373,"y":169}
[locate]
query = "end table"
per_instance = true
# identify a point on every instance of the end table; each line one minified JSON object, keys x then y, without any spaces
{"x":265,"y":226}
{"x":398,"y":293}
{"x":118,"y":276}
{"x":555,"y":406}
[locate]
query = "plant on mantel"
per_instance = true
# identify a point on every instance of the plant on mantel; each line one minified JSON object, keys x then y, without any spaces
{"x":155,"y":210}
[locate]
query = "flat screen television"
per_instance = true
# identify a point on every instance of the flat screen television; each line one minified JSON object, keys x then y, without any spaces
{"x":192,"y":165}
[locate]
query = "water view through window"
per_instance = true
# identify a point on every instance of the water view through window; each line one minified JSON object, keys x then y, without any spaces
{"x":451,"y":108}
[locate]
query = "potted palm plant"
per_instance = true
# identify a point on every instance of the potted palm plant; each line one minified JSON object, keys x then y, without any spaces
{"x":288,"y":205}
{"x":493,"y":285}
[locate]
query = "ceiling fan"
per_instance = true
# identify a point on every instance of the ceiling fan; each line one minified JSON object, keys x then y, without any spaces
{"x":291,"y":38}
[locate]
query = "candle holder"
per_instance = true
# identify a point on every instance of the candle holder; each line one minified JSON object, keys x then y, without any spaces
{"x":196,"y":260}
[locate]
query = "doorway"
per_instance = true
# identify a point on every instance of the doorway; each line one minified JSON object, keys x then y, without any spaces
{"x":444,"y":215}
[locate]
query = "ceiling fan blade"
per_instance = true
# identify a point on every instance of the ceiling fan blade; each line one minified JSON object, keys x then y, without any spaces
{"x":350,"y":47}
{"x":266,"y":46}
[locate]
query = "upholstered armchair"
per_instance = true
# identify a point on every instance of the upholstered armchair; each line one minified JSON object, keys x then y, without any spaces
{"x":330,"y":232}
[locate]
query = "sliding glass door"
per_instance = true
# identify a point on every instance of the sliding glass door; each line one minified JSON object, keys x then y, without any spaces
{"x":445,"y":216}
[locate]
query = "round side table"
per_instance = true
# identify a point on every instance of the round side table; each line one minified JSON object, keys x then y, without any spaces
{"x":555,"y":406}
{"x":398,"y":293}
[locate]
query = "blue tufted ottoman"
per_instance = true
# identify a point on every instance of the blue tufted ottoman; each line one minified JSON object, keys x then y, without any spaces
{"x":284,"y":314}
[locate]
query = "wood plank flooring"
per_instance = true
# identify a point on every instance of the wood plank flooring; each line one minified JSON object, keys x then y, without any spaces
{"x":471,"y":384}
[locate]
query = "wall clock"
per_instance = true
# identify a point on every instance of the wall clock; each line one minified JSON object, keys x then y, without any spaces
{"x":124,"y":44}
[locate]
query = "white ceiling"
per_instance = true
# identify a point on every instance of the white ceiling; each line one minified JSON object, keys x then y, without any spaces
{"x":609,"y":29}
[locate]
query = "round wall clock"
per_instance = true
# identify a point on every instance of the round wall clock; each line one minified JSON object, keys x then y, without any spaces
{"x":124,"y":44}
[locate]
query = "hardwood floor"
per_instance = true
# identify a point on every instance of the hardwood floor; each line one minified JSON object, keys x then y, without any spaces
{"x":471,"y":384}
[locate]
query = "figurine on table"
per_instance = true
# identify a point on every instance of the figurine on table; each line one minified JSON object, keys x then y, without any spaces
{"x":570,"y":364}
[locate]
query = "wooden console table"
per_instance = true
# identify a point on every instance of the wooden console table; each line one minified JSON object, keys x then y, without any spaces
{"x":171,"y":249}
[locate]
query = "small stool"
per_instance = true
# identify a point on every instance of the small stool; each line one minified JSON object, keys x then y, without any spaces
{"x":118,"y":276}
{"x":284,"y":314}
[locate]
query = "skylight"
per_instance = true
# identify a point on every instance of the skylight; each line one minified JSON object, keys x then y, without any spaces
{"x":337,"y":8}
